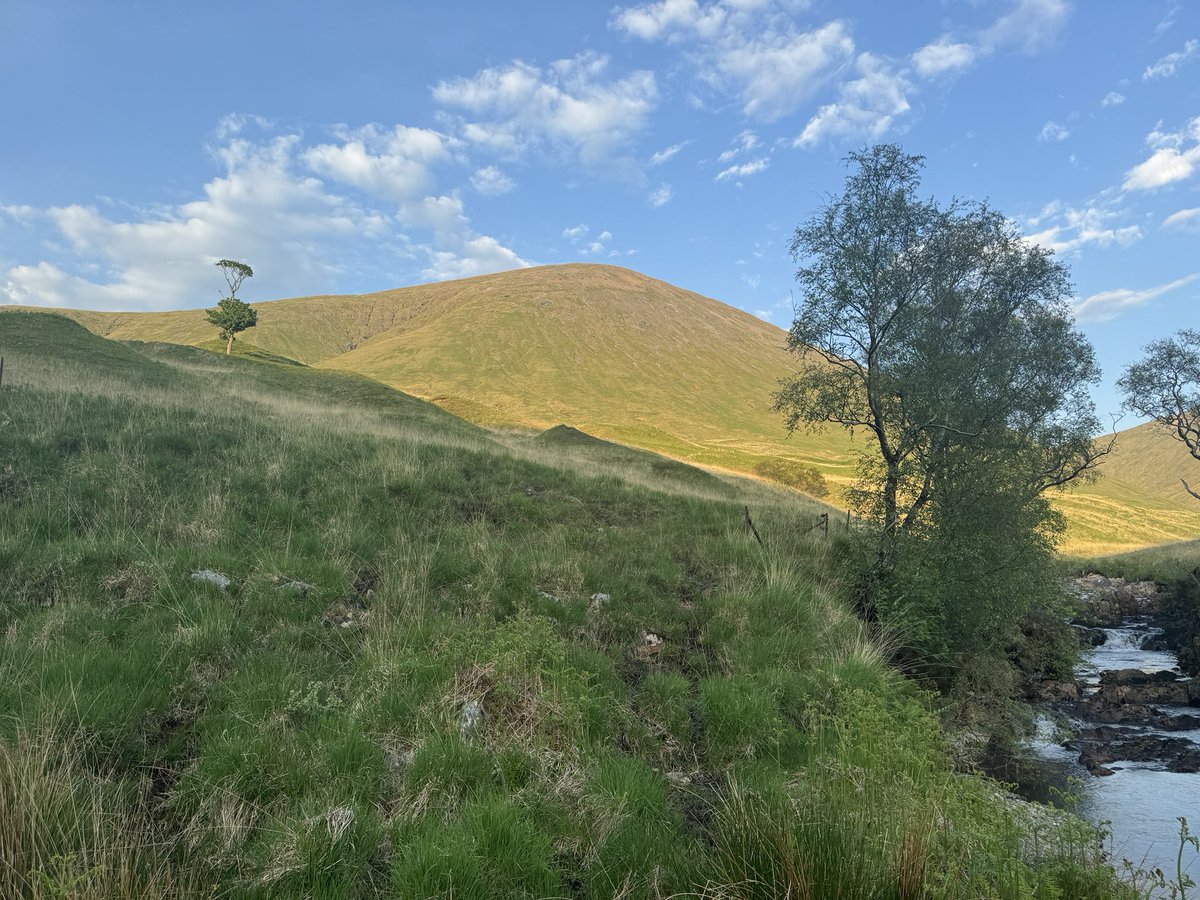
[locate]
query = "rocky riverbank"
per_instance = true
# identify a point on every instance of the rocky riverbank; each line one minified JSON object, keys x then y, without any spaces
{"x":1129,"y":705}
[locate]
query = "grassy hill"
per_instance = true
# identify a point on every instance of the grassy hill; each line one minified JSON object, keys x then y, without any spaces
{"x":446,"y":663}
{"x":631,"y":359}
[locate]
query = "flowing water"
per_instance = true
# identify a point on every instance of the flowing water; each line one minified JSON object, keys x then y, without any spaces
{"x":1142,"y":801}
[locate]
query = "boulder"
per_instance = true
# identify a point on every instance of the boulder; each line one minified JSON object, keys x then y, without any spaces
{"x":1136,"y":676}
{"x":1052,"y":691}
{"x":208,"y":576}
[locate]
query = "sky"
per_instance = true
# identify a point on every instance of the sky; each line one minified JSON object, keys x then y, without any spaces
{"x":364,"y":146}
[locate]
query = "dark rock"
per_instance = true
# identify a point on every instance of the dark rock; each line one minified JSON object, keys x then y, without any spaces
{"x":1129,"y":714}
{"x":1187,"y":761}
{"x":1155,"y":642}
{"x":1136,"y":676}
{"x":1052,"y":691}
{"x":1111,"y":695}
{"x":1148,"y":748}
{"x":1090,"y":637}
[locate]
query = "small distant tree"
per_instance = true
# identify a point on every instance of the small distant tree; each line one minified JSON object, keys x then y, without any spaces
{"x":1164,"y":385}
{"x":232,"y":315}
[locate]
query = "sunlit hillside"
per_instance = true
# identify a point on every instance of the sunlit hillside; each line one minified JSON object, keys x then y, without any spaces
{"x":634,"y":360}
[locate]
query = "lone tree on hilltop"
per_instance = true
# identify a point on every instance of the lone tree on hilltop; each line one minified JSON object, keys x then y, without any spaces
{"x":1164,"y":385}
{"x":231,"y":315}
{"x":947,"y":337}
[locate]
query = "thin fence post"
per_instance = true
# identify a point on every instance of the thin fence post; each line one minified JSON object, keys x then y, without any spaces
{"x":847,"y":520}
{"x":825,"y":523}
{"x":1,"y":371}
{"x":750,"y":525}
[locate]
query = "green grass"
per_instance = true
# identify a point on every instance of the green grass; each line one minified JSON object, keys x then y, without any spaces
{"x":1168,"y":562}
{"x":449,"y":709}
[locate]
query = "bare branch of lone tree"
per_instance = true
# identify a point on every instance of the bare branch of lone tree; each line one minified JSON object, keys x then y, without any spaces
{"x":232,"y":315}
{"x":948,"y":338}
{"x":1164,"y":385}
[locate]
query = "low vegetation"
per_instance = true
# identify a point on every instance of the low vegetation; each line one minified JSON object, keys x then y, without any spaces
{"x":446,"y":662}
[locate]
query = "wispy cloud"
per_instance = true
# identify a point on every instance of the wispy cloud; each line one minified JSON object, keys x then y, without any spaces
{"x":741,"y":171}
{"x":1107,"y":305}
{"x":667,"y":153}
{"x":1184,"y":218}
{"x":1113,"y":98}
{"x":660,"y":196}
{"x":1170,"y":64}
{"x":1052,"y":132}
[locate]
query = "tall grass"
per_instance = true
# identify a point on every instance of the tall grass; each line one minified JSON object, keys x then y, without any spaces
{"x":508,"y":671}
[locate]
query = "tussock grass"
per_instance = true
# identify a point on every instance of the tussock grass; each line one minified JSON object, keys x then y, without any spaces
{"x":511,"y":670}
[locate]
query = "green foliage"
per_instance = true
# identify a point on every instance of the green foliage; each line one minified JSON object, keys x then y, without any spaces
{"x":948,"y":338}
{"x":793,"y":474}
{"x":1164,"y":385}
{"x":232,"y":316}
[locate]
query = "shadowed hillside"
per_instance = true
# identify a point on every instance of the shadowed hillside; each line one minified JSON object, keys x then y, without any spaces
{"x":630,"y":359}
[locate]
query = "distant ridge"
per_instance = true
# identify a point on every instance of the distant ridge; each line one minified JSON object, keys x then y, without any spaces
{"x":631,"y":359}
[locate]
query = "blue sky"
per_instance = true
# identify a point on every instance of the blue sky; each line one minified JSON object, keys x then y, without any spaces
{"x":374,"y":145}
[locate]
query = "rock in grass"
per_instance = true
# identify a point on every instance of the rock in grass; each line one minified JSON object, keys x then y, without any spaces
{"x":599,"y":600}
{"x":472,"y":717}
{"x":296,"y":588}
{"x":208,"y":576}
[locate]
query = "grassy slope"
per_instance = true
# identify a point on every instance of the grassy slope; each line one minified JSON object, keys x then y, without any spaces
{"x":162,"y":738}
{"x":628,"y":358}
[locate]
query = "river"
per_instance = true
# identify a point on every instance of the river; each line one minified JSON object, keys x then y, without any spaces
{"x":1141,"y":801}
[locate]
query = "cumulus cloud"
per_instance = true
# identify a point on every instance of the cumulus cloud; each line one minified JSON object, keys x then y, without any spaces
{"x":1107,"y":305}
{"x":1112,"y":98}
{"x":754,"y":50}
{"x":1053,"y":132}
{"x":570,"y":106}
{"x":942,"y":56}
{"x":491,"y":182}
{"x":395,"y":163}
{"x":741,"y":171}
{"x":866,"y":107}
{"x":1176,"y":157}
{"x":1170,"y":64}
{"x":268,"y":207}
{"x":1184,"y":218}
{"x":1070,"y":229}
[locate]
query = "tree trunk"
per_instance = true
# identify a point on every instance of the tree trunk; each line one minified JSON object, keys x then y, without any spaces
{"x":229,"y":346}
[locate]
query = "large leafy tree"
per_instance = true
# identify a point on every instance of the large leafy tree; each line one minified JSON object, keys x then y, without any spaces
{"x":1164,"y":385}
{"x":233,"y":315}
{"x":945,"y":336}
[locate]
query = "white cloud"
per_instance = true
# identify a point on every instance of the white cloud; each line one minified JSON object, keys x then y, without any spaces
{"x":396,"y":163}
{"x":569,"y":106}
{"x":944,"y":55}
{"x":1052,"y":131}
{"x":1074,"y":229}
{"x":480,"y":255}
{"x":1107,"y":305}
{"x":1030,"y":25}
{"x":491,"y":182}
{"x":1169,"y":64}
{"x":1168,"y":21}
{"x":743,"y":143}
{"x":1184,"y":218}
{"x":740,"y":171}
{"x":1169,"y":162}
{"x":667,"y":153}
{"x":1112,"y":98}
{"x":660,"y":196}
{"x":671,"y":18}
{"x":752,"y":49}
{"x":866,"y":107}
{"x":268,"y":209}
{"x":575,"y":232}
